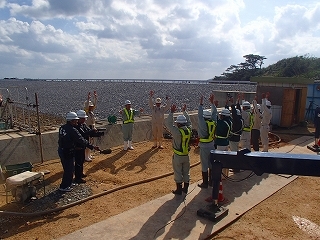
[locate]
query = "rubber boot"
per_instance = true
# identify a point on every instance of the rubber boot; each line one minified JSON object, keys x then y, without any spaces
{"x":178,"y":191}
{"x":210,"y":178}
{"x":130,"y":145}
{"x":185,"y":187}
{"x":204,"y":184}
{"x":125,"y":145}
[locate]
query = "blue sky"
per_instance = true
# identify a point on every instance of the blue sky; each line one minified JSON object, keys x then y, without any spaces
{"x":157,"y":39}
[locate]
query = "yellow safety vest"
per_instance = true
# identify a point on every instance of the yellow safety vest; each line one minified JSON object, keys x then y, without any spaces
{"x":211,"y":125}
{"x":185,"y":138}
{"x":129,"y":117}
{"x":228,"y":133}
{"x":248,"y":129}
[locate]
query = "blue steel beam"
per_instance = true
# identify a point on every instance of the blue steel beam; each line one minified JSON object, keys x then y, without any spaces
{"x":267,"y":162}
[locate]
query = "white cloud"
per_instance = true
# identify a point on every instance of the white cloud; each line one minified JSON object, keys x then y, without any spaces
{"x":150,"y":38}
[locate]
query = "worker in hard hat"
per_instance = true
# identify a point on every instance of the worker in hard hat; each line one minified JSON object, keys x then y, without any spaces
{"x":128,"y":115}
{"x":247,"y":116}
{"x":69,"y":137}
{"x":237,"y":125}
{"x":89,"y":107}
{"x":158,"y":110}
{"x":222,"y":133}
{"x":265,"y":122}
{"x":181,"y":134}
{"x":85,"y":132}
{"x":255,"y":131}
{"x":206,"y":128}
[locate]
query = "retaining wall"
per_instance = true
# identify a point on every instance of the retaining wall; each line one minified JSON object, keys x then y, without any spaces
{"x":19,"y":147}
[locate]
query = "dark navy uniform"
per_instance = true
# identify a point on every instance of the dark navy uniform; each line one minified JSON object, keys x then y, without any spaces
{"x":69,"y":138}
{"x":85,"y":132}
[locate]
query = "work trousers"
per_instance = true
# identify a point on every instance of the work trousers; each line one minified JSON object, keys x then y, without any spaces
{"x":157,"y":133}
{"x":78,"y":166}
{"x":255,"y":137}
{"x":127,"y":130}
{"x":264,"y":130}
{"x":245,"y":140}
{"x":67,"y":161}
{"x":181,"y":168}
{"x":205,"y":149}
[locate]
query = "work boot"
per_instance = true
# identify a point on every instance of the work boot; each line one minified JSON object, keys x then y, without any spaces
{"x":185,"y":187}
{"x":130,"y":145}
{"x":210,"y":178}
{"x":125,"y":145}
{"x":204,"y":184}
{"x":178,"y":191}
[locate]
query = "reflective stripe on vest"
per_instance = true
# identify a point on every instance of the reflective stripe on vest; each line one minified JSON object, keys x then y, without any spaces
{"x":229,"y":129}
{"x":185,"y":138}
{"x":129,"y":117}
{"x":211,"y":126}
{"x":248,"y":129}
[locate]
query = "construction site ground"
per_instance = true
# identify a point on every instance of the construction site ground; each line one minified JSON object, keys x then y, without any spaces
{"x":290,"y":211}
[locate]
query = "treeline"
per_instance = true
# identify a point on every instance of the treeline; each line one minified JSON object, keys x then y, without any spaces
{"x":299,"y":66}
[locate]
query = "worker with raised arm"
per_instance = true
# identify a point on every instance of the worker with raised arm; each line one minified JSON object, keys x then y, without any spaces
{"x":265,"y":122}
{"x":158,"y":110}
{"x":245,"y":139}
{"x":128,"y":115}
{"x":207,"y":120}
{"x":255,"y":131}
{"x":181,"y":134}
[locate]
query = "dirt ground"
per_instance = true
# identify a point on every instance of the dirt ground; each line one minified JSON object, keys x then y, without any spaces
{"x":274,"y":218}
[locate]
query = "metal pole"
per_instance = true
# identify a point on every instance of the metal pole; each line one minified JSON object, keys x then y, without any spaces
{"x":39,"y":131}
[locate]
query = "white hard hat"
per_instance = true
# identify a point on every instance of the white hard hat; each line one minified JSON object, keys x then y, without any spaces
{"x":207,"y":114}
{"x":71,"y":116}
{"x":158,"y":100}
{"x":82,"y":114}
{"x":246,"y":104}
{"x":258,"y":106}
{"x":90,"y":104}
{"x":181,"y":119}
{"x":225,"y":112}
{"x":238,"y":112}
{"x":127,"y":102}
{"x":268,"y":103}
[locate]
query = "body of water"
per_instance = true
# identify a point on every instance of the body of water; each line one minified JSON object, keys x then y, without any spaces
{"x":60,"y":96}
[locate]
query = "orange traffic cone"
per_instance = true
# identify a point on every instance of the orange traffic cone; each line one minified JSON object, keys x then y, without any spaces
{"x":221,"y":197}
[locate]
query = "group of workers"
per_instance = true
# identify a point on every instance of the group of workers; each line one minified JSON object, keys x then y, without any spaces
{"x":75,"y":143}
{"x":230,"y":129}
{"x":234,"y":127}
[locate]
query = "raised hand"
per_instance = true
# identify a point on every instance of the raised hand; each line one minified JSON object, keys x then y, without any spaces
{"x":173,"y":108}
{"x":201,"y":100}
{"x":211,"y":98}
{"x":184,"y":107}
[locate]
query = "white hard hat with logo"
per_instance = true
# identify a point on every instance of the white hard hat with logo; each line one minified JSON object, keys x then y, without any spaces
{"x":181,"y":119}
{"x":225,"y":112}
{"x":71,"y":116}
{"x":268,"y":103}
{"x":127,"y":102}
{"x":82,"y":114}
{"x":207,"y":114}
{"x":246,"y":104}
{"x":158,"y":100}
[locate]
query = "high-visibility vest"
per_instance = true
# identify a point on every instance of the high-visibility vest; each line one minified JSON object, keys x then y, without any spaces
{"x":185,"y":138}
{"x":211,"y":126}
{"x":248,"y":129}
{"x":228,"y":132}
{"x":129,"y":115}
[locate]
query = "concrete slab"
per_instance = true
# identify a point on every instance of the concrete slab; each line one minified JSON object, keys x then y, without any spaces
{"x":172,"y":217}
